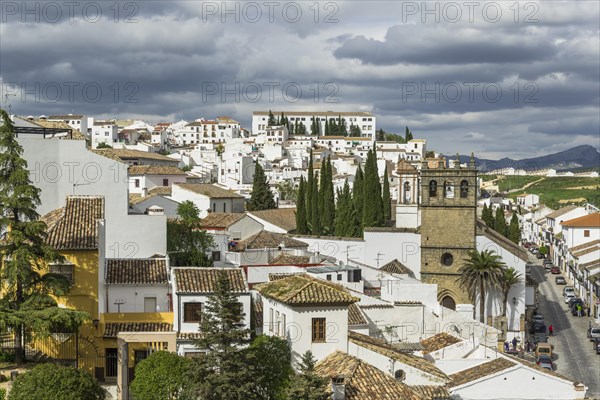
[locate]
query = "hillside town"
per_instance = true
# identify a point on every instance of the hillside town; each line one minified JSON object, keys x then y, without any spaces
{"x":379,"y":268}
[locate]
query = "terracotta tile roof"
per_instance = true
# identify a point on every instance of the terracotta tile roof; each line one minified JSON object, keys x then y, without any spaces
{"x":584,"y":245}
{"x":269,"y":240}
{"x":280,"y":275}
{"x":587,"y":221}
{"x":430,"y":392}
{"x":375,"y":306}
{"x":136,"y":271}
{"x":561,"y":211}
{"x":363,"y":381}
{"x":288,"y":259}
{"x":382,"y":347}
{"x":404,"y":167}
{"x":161,"y":190}
{"x":580,"y":253}
{"x":480,"y":371}
{"x":209,"y":190}
{"x":438,"y":342}
{"x":204,"y":280}
{"x":355,"y":316}
{"x":317,"y":114}
{"x":64,"y":117}
{"x":75,"y":226}
{"x":154,"y":170}
{"x":111,"y":329}
{"x":125,"y":154}
{"x":590,"y":265}
{"x":508,"y":245}
{"x":75,"y":133}
{"x":284,"y":218}
{"x":220,"y":220}
{"x":396,"y":267}
{"x":188,"y":335}
{"x":298,"y":290}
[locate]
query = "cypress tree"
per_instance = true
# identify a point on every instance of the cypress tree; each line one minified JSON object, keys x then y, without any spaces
{"x":282,"y":119}
{"x":309,"y":188}
{"x":514,"y":231}
{"x":358,"y":193}
{"x":373,"y":204}
{"x":408,"y":135}
{"x":301,"y":226}
{"x":500,"y":222}
{"x":314,"y":203}
{"x":327,"y":199}
{"x":346,"y":221}
{"x":262,"y":196}
{"x":386,"y":197}
{"x":271,"y":120}
{"x":327,"y":128}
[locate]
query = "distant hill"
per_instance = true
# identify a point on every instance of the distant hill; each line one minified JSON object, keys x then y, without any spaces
{"x":584,"y":156}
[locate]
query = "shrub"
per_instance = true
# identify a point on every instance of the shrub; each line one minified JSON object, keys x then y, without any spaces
{"x":160,"y":376}
{"x":51,"y":382}
{"x":7,"y":357}
{"x":2,"y":394}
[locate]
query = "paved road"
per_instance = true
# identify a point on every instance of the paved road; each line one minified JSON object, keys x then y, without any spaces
{"x":575,"y":356}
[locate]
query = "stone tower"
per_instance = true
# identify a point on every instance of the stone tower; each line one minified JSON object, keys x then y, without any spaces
{"x":448,"y":217}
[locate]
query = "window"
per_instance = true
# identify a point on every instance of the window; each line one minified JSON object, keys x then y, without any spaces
{"x":318,"y":329}
{"x":140,"y":355}
{"x":149,"y":304}
{"x":65,"y":270}
{"x":447,"y":259}
{"x":328,"y":276}
{"x":137,"y":183}
{"x":112,"y":355}
{"x":165,"y":182}
{"x":224,"y":207}
{"x":586,"y":233}
{"x":448,"y":190}
{"x":432,"y":189}
{"x":216,"y":255}
{"x":464,"y":189}
{"x":214,"y":207}
{"x":339,"y":277}
{"x":191,"y":312}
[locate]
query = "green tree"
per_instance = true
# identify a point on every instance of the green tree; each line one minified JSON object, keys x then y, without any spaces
{"x":358,"y":193}
{"x":487,"y":216}
{"x":327,"y":127}
{"x":187,"y":243}
{"x":309,"y":187}
{"x":373,"y":203}
{"x":543,"y":250}
{"x":51,"y":382}
{"x":307,"y":385}
{"x":287,"y":190}
{"x":262,"y":196}
{"x":408,"y":135}
{"x":354,"y":130}
{"x":27,"y":291}
{"x":514,"y":230}
{"x":270,"y":360}
{"x":346,"y":221}
{"x":301,"y":225}
{"x":500,"y":222}
{"x":103,"y":145}
{"x":509,"y":278}
{"x":380,"y":135}
{"x":386,"y":197}
{"x":314,"y":126}
{"x":479,"y":273}
{"x":271,"y":121}
{"x":326,"y":198}
{"x":161,"y":376}
{"x":315,"y":223}
{"x":220,"y":371}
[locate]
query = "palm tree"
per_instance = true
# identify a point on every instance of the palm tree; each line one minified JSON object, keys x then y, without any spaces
{"x":480,"y":272}
{"x":511,"y":277}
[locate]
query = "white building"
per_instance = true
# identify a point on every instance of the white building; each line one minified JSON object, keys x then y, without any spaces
{"x":366,"y":121}
{"x":528,"y":200}
{"x":104,"y":132}
{"x":137,"y":285}
{"x":192,"y":288}
{"x":143,"y":178}
{"x":208,"y":198}
{"x":79,"y":122}
{"x":208,"y":131}
{"x":578,"y":231}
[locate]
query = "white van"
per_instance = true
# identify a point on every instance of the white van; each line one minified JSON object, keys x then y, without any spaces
{"x":568,"y":290}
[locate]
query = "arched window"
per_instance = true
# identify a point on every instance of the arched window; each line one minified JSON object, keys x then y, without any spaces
{"x":432,"y":189}
{"x":447,"y":259}
{"x":407,"y":195}
{"x":449,"y":302}
{"x":464,"y":189}
{"x":448,"y":190}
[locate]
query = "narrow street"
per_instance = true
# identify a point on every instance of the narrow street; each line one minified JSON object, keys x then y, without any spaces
{"x":574,"y":353}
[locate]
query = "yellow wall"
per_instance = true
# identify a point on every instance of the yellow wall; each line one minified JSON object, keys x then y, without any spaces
{"x":84,"y":292}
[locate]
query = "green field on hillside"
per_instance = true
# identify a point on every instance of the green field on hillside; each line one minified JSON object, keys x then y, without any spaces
{"x":486,"y":178}
{"x":508,"y":182}
{"x":559,"y":191}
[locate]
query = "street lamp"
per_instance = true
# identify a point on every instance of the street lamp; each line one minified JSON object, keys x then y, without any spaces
{"x":514,"y":301}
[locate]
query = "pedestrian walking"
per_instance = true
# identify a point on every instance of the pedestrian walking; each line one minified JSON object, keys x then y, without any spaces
{"x":506,"y":348}
{"x":551,"y":330}
{"x":514,"y":343}
{"x":588,"y":310}
{"x":579,"y":310}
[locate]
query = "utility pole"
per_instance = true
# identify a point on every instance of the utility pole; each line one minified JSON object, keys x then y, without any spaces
{"x":347,"y":251}
{"x":379,"y":258}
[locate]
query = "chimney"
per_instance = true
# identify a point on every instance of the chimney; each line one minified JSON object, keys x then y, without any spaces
{"x":338,"y":387}
{"x":155,"y":210}
{"x":144,"y":192}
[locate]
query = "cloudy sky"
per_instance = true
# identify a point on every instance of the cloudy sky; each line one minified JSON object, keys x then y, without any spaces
{"x":515,"y":79}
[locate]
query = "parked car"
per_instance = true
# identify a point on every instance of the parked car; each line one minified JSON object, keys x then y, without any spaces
{"x":569,"y":297}
{"x":560,"y":280}
{"x":544,"y":349}
{"x":548,"y":266}
{"x":568,"y":289}
{"x":540,"y":256}
{"x":547,"y":261}
{"x":537,"y":327}
{"x":593,"y":333}
{"x":528,"y":268}
{"x":538,"y":318}
{"x":534,"y":250}
{"x":540,"y":337}
{"x":555,"y":270}
{"x":573,"y":306}
{"x":545,"y":361}
{"x":597,"y":345}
